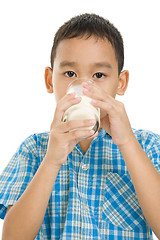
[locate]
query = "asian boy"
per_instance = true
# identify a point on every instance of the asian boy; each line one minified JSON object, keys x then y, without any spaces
{"x":58,"y":186}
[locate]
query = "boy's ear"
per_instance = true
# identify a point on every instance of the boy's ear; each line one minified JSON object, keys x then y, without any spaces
{"x":123,"y":82}
{"x":48,"y":79}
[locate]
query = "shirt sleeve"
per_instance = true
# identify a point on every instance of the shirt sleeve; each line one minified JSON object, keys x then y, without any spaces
{"x":17,"y":174}
{"x":152,"y":149}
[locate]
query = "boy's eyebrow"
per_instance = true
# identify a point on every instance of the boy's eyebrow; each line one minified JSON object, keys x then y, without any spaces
{"x":67,"y":64}
{"x":98,"y":64}
{"x":103,"y":64}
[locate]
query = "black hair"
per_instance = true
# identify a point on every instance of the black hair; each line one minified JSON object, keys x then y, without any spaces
{"x":90,"y":25}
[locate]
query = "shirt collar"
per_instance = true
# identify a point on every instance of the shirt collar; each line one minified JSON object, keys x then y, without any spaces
{"x":102,"y":134}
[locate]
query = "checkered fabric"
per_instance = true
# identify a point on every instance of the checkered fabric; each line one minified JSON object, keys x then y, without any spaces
{"x":93,"y":196}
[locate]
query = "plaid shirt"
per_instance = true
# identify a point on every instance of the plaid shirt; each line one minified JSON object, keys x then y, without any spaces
{"x":93,"y":196}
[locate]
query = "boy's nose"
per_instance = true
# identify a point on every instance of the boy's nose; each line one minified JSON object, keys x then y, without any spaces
{"x":83,"y":79}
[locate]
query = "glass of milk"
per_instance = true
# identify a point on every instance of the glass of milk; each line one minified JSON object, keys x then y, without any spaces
{"x":84,"y":109}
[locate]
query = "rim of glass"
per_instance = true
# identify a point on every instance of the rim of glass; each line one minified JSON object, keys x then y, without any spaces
{"x":80,"y":80}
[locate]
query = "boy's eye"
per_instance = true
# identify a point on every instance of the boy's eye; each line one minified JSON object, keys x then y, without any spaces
{"x":70,"y":74}
{"x":98,"y":75}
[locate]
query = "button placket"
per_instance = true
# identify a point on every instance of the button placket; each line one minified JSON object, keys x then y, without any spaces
{"x":82,"y":178}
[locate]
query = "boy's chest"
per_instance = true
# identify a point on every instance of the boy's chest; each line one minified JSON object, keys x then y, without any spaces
{"x":96,"y":188}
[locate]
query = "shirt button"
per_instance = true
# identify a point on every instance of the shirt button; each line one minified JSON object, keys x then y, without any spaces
{"x":85,"y":166}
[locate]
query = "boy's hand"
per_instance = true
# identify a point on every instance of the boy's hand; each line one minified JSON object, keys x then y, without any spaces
{"x":115,"y":121}
{"x":62,"y":139}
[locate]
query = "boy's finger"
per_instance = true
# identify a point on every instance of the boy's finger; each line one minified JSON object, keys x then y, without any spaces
{"x":66,"y":102}
{"x":76,"y":124}
{"x":95,"y":92}
{"x":79,"y":134}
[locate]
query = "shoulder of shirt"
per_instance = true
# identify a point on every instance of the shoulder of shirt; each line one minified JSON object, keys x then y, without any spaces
{"x":36,"y":142}
{"x":146,"y":137}
{"x":143,"y":133}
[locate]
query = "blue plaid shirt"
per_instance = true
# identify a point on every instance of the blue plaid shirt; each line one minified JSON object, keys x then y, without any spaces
{"x":93,"y":196}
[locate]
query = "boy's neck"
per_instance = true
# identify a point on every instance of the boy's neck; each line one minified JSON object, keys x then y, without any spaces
{"x":84,"y":144}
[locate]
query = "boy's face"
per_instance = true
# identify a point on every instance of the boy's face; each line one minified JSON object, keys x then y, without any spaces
{"x":86,"y":59}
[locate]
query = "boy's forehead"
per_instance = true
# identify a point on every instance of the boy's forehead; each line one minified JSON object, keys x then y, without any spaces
{"x":92,"y":41}
{"x":96,"y":51}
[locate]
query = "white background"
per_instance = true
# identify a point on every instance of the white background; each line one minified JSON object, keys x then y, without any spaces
{"x":27,"y":29}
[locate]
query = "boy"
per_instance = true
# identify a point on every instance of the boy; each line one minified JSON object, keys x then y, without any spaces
{"x":57,"y":186}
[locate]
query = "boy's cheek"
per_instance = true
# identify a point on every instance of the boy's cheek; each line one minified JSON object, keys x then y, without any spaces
{"x":59,"y":94}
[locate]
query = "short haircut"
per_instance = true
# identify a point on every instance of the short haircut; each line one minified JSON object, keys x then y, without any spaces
{"x":90,"y":25}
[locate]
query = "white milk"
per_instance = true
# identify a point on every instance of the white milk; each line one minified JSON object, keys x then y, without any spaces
{"x":83,"y":110}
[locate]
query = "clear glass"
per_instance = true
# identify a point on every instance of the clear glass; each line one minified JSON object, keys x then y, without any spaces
{"x":84,"y":109}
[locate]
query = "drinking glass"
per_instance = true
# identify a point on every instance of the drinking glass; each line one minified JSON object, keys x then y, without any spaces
{"x":84,"y":109}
